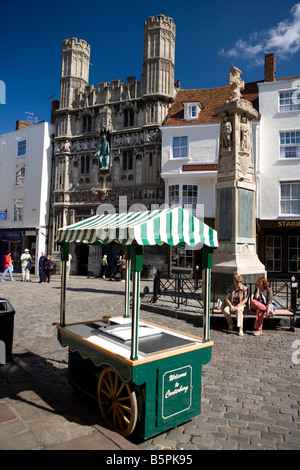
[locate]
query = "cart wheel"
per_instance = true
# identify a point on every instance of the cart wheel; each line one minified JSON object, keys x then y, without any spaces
{"x":118,"y":404}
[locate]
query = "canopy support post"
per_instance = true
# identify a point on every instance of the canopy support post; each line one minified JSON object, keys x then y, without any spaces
{"x":207,"y":265}
{"x":137,"y":261}
{"x":127,"y":281}
{"x":64,"y":259}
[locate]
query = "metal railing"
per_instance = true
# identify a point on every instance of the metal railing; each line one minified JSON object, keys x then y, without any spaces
{"x":183,"y":289}
{"x":285,"y":293}
{"x":179,"y":288}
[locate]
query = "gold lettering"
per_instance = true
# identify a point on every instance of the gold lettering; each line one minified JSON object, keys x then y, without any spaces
{"x":288,"y":223}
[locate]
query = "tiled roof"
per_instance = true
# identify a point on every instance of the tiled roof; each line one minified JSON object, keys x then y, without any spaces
{"x":208,"y":99}
{"x":288,"y":78}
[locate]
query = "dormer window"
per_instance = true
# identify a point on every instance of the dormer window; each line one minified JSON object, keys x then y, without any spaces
{"x":191,"y":111}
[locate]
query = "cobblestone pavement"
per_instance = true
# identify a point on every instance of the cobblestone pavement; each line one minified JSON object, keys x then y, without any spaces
{"x":251,"y":392}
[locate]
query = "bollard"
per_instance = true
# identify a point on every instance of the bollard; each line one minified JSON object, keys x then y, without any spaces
{"x":156,"y":286}
{"x":197,"y":277}
{"x":294,"y":285}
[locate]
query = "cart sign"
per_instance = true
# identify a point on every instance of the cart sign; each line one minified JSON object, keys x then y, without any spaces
{"x":176,"y":391}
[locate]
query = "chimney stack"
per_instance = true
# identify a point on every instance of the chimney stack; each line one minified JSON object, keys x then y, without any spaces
{"x":23,"y":124}
{"x":270,"y":67}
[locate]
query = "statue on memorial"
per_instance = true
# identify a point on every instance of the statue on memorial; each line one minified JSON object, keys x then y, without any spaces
{"x":226,"y":135}
{"x":236,"y":83}
{"x":245,"y":134}
{"x":104,"y":154}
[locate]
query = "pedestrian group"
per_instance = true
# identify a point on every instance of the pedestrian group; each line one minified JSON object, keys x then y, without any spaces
{"x":118,"y":270}
{"x":45,"y":266}
{"x":236,"y":299}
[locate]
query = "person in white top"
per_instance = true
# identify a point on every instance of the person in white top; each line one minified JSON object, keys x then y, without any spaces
{"x":26,"y":261}
{"x":68,"y":267}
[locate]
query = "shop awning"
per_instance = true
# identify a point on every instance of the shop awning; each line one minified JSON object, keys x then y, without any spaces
{"x":170,"y":226}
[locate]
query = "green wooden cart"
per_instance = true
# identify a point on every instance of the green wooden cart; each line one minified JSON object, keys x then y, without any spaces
{"x":146,"y":378}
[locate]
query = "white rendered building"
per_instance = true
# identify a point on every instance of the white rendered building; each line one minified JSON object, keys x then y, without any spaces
{"x":190,"y":149}
{"x":25,"y":176}
{"x":278,"y":179}
{"x":190,"y":146}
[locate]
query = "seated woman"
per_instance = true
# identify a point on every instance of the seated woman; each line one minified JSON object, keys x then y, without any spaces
{"x":261,"y":303}
{"x":237,"y":297}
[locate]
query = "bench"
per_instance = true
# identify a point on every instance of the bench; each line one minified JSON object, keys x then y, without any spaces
{"x":280,"y":313}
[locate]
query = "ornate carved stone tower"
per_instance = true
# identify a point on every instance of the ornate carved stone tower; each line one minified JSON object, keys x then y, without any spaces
{"x":236,"y":187}
{"x":74,"y":69}
{"x":129,"y":114}
{"x":159,"y":56}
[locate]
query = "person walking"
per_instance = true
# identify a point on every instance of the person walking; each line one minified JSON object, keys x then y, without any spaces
{"x":48,"y":269}
{"x":123,"y":268}
{"x":26,"y":261}
{"x":8,"y":266}
{"x":41,"y":267}
{"x":104,"y":265}
{"x":68,"y":267}
{"x":115,"y":269}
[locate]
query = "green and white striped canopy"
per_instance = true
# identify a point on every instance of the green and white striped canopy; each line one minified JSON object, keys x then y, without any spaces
{"x":171,"y":226}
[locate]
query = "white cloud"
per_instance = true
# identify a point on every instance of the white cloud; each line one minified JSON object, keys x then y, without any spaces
{"x":283,"y":39}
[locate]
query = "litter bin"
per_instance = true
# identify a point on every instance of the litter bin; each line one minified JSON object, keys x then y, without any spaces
{"x":6,"y":330}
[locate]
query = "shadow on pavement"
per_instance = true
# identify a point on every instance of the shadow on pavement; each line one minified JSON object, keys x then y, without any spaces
{"x":29,"y":372}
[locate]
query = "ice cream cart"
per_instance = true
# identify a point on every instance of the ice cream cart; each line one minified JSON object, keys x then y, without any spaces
{"x":146,"y":378}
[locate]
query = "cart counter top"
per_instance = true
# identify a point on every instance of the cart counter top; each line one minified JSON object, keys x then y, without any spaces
{"x":114,"y":337}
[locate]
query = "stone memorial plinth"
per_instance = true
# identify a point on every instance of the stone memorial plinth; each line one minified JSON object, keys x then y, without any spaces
{"x":235,"y":191}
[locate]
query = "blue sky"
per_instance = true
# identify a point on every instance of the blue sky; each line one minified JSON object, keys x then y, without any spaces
{"x":210,"y":37}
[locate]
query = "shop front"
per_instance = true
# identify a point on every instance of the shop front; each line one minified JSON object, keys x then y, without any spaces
{"x":11,"y":240}
{"x":15,"y":241}
{"x":279,"y":247}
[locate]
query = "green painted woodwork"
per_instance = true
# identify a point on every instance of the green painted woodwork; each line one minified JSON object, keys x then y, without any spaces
{"x":168,"y":389}
{"x":137,"y":257}
{"x":65,"y":251}
{"x":207,"y":257}
{"x":64,"y":258}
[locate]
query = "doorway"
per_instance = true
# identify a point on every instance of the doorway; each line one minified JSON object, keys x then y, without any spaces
{"x":82,"y":256}
{"x":14,"y":247}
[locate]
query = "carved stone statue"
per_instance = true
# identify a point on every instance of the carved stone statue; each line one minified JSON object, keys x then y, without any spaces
{"x":245,"y":135}
{"x":104,"y":154}
{"x":236,"y":83}
{"x":67,"y":146}
{"x":227,"y":135}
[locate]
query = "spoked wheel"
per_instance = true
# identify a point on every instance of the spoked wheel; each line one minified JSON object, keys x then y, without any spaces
{"x":118,"y":404}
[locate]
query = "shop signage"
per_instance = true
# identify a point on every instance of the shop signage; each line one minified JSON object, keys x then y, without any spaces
{"x":201,"y":167}
{"x":280,"y":224}
{"x":288,"y":223}
{"x":176,"y":391}
{"x":3,"y":215}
